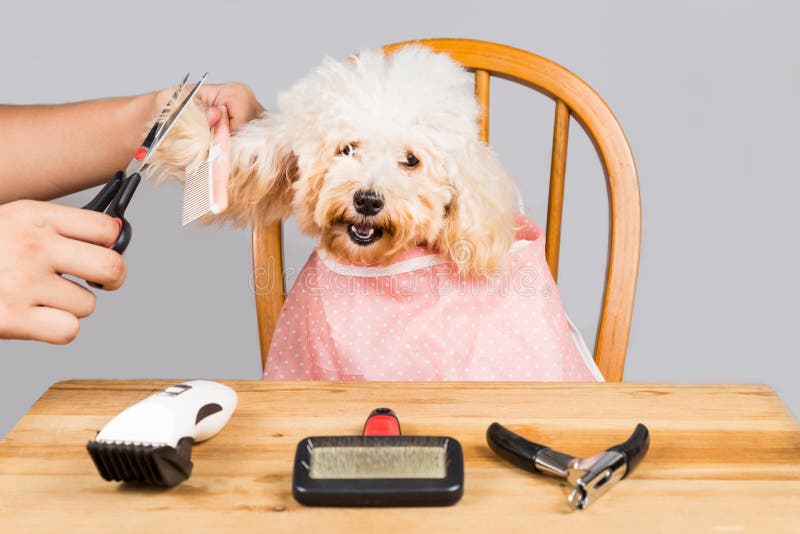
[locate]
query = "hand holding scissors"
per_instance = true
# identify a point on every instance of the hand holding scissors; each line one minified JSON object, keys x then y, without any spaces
{"x":114,"y":197}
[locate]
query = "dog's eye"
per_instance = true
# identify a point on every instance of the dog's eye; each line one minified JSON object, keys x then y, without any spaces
{"x":411,"y":161}
{"x":347,"y":150}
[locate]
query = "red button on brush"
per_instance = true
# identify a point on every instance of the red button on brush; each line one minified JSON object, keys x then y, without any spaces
{"x":382,"y":422}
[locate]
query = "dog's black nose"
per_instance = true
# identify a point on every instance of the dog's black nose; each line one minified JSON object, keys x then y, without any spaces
{"x":367,"y":202}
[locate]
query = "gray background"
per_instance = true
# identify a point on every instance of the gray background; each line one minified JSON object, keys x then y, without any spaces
{"x":707,"y":93}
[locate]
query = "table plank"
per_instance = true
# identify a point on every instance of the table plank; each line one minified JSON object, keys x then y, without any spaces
{"x":723,"y":458}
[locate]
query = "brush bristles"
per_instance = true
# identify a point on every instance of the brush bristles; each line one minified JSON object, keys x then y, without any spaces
{"x":197,"y":199}
{"x":378,"y":462}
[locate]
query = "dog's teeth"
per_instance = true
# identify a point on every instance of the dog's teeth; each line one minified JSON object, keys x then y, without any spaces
{"x":359,"y":231}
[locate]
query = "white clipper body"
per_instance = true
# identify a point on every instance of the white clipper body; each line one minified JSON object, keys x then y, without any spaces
{"x":150,"y":442}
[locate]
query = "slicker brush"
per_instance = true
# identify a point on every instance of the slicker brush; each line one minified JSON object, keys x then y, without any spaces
{"x":379,"y":468}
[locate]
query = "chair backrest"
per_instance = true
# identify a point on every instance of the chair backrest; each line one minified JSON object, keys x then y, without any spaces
{"x":573,"y":98}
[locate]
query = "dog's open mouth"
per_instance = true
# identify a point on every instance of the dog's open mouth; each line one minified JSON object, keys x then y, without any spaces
{"x":364,"y":234}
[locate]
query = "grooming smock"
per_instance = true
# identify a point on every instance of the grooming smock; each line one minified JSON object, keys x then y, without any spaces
{"x":418,"y":319}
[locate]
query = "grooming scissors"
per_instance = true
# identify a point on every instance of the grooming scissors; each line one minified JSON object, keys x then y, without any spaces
{"x":114,"y":197}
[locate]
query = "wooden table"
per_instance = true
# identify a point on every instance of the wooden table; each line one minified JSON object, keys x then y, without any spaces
{"x":723,"y":458}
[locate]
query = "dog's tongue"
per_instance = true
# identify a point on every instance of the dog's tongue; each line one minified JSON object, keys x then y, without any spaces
{"x":364,"y":230}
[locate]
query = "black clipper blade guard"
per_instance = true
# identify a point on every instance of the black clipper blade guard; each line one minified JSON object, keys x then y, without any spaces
{"x":589,"y":478}
{"x":378,"y":470}
{"x":143,"y":464}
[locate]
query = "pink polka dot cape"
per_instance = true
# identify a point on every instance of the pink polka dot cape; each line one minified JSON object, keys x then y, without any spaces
{"x":417,"y":319}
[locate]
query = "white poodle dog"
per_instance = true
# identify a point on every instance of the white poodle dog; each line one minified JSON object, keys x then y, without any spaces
{"x":373,"y":155}
{"x":379,"y":156}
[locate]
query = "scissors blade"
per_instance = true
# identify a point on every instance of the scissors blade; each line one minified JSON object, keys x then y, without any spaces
{"x":178,"y":90}
{"x":159,"y":132}
{"x":174,"y":117}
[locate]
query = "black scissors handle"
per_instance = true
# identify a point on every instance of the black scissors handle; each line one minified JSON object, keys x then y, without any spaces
{"x":102,"y":199}
{"x":113,"y":200}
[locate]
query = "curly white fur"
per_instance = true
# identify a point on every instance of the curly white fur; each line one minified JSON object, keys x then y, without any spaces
{"x":458,"y":200}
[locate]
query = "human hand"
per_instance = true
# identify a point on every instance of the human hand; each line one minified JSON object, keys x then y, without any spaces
{"x":237,"y":98}
{"x":227,"y":106}
{"x":39,"y":242}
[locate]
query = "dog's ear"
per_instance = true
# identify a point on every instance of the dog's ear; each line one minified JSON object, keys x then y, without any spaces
{"x":262,"y":166}
{"x":480,"y":221}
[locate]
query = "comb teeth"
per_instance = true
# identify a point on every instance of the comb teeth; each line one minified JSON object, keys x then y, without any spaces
{"x":197,"y":193}
{"x":142,"y":464}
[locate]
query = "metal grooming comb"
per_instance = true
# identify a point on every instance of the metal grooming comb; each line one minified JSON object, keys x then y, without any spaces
{"x":198,"y":189}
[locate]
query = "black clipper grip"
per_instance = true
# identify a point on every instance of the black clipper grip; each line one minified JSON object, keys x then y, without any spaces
{"x":635,"y":448}
{"x":513,"y":447}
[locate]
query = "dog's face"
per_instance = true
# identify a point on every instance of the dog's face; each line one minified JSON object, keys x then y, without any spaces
{"x":373,"y":197}
{"x":375,"y":155}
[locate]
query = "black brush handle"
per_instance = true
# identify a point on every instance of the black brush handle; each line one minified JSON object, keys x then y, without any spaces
{"x":635,"y":448}
{"x":513,"y":447}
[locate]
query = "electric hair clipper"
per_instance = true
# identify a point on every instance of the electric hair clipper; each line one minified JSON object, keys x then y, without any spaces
{"x":151,"y":442}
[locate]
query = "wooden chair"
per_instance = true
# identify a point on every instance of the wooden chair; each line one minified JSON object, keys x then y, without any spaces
{"x":573,"y":98}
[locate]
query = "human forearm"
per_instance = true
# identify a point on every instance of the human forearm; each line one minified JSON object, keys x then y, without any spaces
{"x":53,"y":150}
